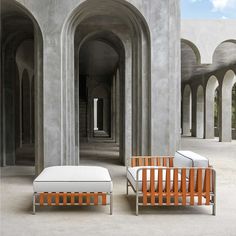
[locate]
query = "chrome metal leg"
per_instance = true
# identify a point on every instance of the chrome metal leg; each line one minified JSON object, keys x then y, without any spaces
{"x":127,"y":187}
{"x":111,"y":203}
{"x":136,"y":203}
{"x":34,"y":211}
{"x":214,"y":209}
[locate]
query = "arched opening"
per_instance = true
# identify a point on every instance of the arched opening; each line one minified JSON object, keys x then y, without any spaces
{"x":190,"y":59}
{"x":234,"y":112}
{"x":217,"y":112}
{"x":226,"y":106}
{"x":126,"y":50}
{"x":187,"y":111}
{"x":211,"y":86}
{"x":200,"y":112}
{"x":21,"y":96}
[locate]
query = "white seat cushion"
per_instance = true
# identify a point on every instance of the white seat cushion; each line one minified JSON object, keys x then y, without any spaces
{"x":132,"y":177}
{"x":73,"y":179}
{"x":189,"y":159}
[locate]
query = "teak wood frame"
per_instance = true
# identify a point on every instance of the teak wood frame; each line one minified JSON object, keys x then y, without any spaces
{"x":72,"y":199}
{"x":195,"y":182}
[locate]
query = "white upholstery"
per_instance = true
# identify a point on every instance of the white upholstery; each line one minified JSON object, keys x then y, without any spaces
{"x":132,"y":177}
{"x":189,"y":159}
{"x":73,"y":179}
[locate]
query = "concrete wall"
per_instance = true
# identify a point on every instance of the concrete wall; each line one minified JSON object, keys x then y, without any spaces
{"x":150,"y":111}
{"x":206,"y":35}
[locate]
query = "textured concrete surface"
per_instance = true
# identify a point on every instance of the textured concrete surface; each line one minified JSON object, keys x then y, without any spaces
{"x":16,"y":191}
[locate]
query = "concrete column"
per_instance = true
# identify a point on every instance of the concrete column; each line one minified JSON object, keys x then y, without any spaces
{"x":226,"y":107}
{"x":95,"y":111}
{"x":212,"y":84}
{"x":113,"y":108}
{"x":117,"y":111}
{"x":194,"y":112}
{"x":165,"y":77}
{"x":200,"y":113}
{"x":54,"y":112}
{"x":187,"y":110}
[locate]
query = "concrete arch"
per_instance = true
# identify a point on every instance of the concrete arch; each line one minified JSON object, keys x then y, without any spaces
{"x":200,"y":112}
{"x":186,"y":110}
{"x":194,"y":48}
{"x":225,"y":50}
{"x":137,"y":135}
{"x":226,"y":106}
{"x":211,"y":86}
{"x":10,"y":46}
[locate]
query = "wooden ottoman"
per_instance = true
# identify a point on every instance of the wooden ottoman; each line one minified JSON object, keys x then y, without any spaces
{"x":73,"y":185}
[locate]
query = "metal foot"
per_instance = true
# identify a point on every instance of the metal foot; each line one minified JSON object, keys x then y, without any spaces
{"x":111,"y":203}
{"x":214,"y":210}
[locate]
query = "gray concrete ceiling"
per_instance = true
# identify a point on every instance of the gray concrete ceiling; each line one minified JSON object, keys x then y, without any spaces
{"x":97,"y":58}
{"x":224,"y":56}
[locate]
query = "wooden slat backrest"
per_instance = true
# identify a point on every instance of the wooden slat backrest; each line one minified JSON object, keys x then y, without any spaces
{"x":152,"y":161}
{"x":176,"y":186}
{"x":168,"y":185}
{"x":191,"y":186}
{"x":159,"y":187}
{"x":199,"y":185}
{"x":183,"y":185}
{"x":152,"y":185}
{"x":144,"y":186}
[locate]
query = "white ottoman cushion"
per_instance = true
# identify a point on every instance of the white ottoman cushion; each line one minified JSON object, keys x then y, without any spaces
{"x":132,"y":177}
{"x":189,"y":159}
{"x":73,"y":179}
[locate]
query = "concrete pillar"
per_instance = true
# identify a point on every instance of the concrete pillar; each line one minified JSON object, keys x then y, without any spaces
{"x":226,"y":107}
{"x":211,"y":86}
{"x":113,"y":108}
{"x":95,"y":101}
{"x":200,"y":113}
{"x":194,"y":112}
{"x":165,"y":77}
{"x":187,"y":111}
{"x":117,"y":92}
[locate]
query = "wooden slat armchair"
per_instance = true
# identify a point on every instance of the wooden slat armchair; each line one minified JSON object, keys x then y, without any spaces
{"x":156,"y":182}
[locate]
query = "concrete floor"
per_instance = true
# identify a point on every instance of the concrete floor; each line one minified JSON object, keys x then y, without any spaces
{"x":16,"y":192}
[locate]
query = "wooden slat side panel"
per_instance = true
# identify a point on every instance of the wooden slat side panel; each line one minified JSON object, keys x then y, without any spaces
{"x":171,"y":162}
{"x":49,"y":199}
{"x":80,"y":199}
{"x":95,"y":198}
{"x":146,"y":161}
{"x":160,"y":190}
{"x":64,"y":199}
{"x":152,"y":186}
{"x":165,"y":161}
{"x":168,"y":185}
{"x":133,"y":162}
{"x":152,"y":162}
{"x":207,"y":185}
{"x":199,"y":185}
{"x":140,"y":161}
{"x":104,"y":199}
{"x":57,"y":199}
{"x":176,"y":202}
{"x":87,"y":195}
{"x":41,"y":199}
{"x":72,"y":199}
{"x":144,"y":186}
{"x":191,"y":186}
{"x":183,"y":186}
